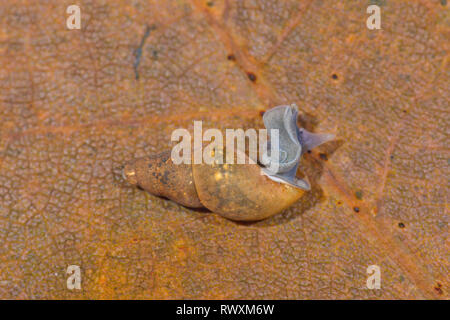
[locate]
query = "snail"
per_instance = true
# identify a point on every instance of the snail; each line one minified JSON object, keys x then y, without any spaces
{"x":242,"y":192}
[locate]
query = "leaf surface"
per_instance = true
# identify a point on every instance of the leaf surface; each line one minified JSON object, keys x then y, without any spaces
{"x":76,"y":105}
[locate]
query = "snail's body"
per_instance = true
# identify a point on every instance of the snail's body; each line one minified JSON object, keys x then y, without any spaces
{"x":244,"y":192}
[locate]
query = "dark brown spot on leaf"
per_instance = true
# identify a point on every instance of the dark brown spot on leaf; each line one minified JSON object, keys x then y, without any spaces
{"x":438,"y":288}
{"x":251,"y":76}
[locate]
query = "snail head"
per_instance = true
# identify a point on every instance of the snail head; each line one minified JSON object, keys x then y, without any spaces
{"x":292,"y":143}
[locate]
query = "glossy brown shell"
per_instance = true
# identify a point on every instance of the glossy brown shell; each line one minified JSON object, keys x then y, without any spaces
{"x":160,"y":176}
{"x":234,"y":191}
{"x":241,"y":192}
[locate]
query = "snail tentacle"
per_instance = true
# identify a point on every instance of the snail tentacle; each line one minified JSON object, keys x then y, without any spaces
{"x":311,"y":140}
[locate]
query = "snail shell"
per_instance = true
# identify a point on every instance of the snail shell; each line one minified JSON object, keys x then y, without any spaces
{"x":158,"y":175}
{"x":234,"y":191}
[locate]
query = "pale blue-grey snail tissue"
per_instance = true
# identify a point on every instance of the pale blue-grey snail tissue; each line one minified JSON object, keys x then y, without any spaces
{"x":293,"y":142}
